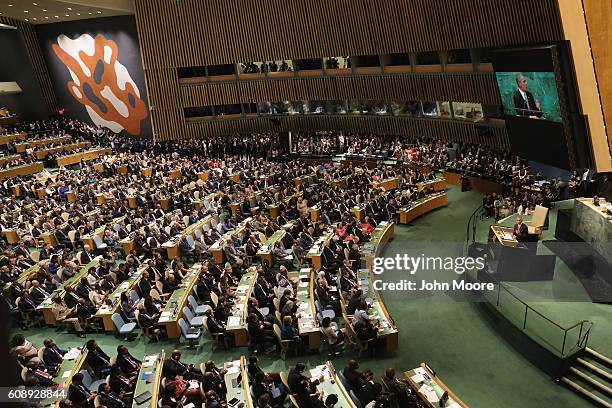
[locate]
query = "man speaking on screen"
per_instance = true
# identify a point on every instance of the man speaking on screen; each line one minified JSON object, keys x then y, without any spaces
{"x":524,"y":102}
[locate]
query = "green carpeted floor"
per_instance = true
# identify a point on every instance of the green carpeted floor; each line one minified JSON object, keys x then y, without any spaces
{"x":451,"y":335}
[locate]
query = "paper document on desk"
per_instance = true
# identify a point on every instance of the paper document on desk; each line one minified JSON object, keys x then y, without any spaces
{"x":507,"y":236}
{"x":148,"y":361}
{"x":429,"y":393}
{"x":66,"y":374}
{"x":233,"y":321}
{"x":233,"y":370}
{"x":417,"y":378}
{"x":72,"y":354}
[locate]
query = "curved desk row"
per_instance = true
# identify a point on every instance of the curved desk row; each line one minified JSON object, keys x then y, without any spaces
{"x":21,"y":147}
{"x":82,"y":156}
{"x":23,"y":170}
{"x":421,"y":207}
{"x":479,"y":184}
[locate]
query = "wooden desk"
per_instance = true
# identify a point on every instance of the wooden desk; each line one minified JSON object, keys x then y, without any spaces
{"x":83,"y":156}
{"x":149,"y":379}
{"x":89,"y":240}
{"x":437,"y":184}
{"x":435,"y":385}
{"x":21,"y":147}
{"x":49,"y":238}
{"x":242,"y":393}
{"x":383,"y":233}
{"x":132,"y":202}
{"x":235,"y":177}
{"x":387,"y":184}
{"x":421,"y":207}
{"x":237,"y":322}
{"x":23,"y":170}
{"x":106,"y":311}
{"x":315,"y":253}
{"x":175,"y":174}
{"x":171,"y":313}
{"x":172,"y":245}
{"x":331,"y":384}
{"x":500,"y":234}
{"x":11,"y":235}
{"x":127,"y":244}
{"x":25,"y":275}
{"x":307,"y":323}
{"x":358,"y":212}
{"x":6,"y":139}
{"x":71,"y":196}
{"x":204,"y":175}
{"x":314,"y":212}
{"x":265,"y":251}
{"x":7,"y":159}
{"x":41,"y":154}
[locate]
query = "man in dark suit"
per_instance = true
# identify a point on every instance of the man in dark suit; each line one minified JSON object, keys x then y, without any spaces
{"x":129,"y":364}
{"x":524,"y":102}
{"x":78,"y":393}
{"x":52,"y":355}
{"x":520,"y":230}
{"x":97,"y":359}
{"x":174,"y":366}
{"x":109,"y":398}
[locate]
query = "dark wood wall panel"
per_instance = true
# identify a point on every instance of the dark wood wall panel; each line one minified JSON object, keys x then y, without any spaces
{"x":37,"y":60}
{"x":215,"y":31}
{"x":186,"y":33}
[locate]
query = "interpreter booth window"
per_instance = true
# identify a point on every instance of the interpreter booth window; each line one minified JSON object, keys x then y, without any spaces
{"x":280,"y":108}
{"x":396,"y":63}
{"x":316,"y":107}
{"x":428,"y":61}
{"x":335,"y":107}
{"x":309,"y":66}
{"x":354,"y":107}
{"x":444,"y":109}
{"x":280,"y":69}
{"x":337,"y":63}
{"x":430,"y":109}
{"x":199,"y":112}
{"x":256,"y":67}
{"x":461,"y":56}
{"x":428,"y":58}
{"x":223,"y":71}
{"x":191,"y":72}
{"x":297,"y":108}
{"x":229,"y":111}
{"x":372,"y":107}
{"x":264,"y":108}
{"x":249,"y":109}
{"x":468,"y":111}
{"x":413,"y":108}
{"x":366,"y":64}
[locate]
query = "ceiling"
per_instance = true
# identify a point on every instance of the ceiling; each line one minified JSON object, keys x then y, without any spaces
{"x":55,"y":11}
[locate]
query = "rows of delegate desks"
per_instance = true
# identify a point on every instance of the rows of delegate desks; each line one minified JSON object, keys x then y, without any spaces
{"x":172,"y":246}
{"x":23,"y":170}
{"x":42,"y":153}
{"x":76,"y":158}
{"x":8,"y":138}
{"x":22,"y":147}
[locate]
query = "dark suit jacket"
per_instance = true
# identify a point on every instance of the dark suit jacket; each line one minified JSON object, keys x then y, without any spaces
{"x":79,"y":395}
{"x":98,"y":361}
{"x":172,"y":367}
{"x":53,"y":356}
{"x":124,"y":363}
{"x":521,"y":232}
{"x":521,"y":107}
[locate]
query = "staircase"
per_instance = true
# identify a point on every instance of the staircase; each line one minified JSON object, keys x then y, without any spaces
{"x":591,"y":377}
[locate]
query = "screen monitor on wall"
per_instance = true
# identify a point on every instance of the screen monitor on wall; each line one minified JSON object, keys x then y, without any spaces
{"x":530,"y":95}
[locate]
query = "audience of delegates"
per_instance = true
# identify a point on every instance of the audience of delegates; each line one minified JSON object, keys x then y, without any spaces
{"x":148,"y":193}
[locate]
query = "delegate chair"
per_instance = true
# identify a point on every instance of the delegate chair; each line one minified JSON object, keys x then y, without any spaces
{"x":123,"y":328}
{"x":191,"y":335}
